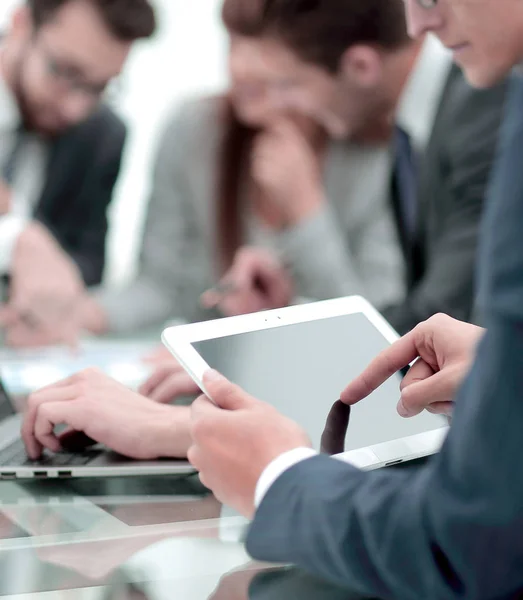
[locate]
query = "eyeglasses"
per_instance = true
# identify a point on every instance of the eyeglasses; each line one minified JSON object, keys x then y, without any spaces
{"x":68,"y":77}
{"x":64,"y":75}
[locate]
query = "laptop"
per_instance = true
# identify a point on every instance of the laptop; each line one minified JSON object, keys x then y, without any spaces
{"x":97,"y":461}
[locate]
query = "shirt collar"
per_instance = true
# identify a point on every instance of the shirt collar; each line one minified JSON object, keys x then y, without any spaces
{"x":9,"y":113}
{"x":421,"y":96}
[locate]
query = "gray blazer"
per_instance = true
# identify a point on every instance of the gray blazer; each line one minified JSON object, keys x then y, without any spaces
{"x":454,"y":177}
{"x":354,"y":235}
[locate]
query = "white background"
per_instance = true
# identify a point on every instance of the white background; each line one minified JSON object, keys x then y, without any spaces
{"x":187,"y":57}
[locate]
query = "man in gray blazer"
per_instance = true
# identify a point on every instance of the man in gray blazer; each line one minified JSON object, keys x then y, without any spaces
{"x":453,"y":176}
{"x":452,"y":528}
{"x":440,"y":247}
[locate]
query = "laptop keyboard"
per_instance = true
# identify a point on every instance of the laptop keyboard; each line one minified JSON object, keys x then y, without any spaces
{"x":15,"y":455}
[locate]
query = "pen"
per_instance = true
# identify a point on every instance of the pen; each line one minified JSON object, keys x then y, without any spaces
{"x":212,"y":297}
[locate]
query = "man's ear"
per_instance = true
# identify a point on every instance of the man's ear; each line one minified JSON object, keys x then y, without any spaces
{"x":362,"y":66}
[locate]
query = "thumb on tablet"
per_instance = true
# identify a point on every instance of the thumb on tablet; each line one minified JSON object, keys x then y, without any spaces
{"x":225,"y":394}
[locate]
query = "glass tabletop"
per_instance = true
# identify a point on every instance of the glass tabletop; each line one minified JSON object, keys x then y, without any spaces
{"x":134,"y":538}
{"x":151,"y":538}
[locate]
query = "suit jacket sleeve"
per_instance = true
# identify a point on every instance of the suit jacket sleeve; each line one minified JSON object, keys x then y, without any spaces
{"x":460,"y":156}
{"x":366,"y":262}
{"x":451,"y":529}
{"x":276,"y":584}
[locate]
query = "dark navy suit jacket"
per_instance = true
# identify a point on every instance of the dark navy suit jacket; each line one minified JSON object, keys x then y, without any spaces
{"x":453,"y":528}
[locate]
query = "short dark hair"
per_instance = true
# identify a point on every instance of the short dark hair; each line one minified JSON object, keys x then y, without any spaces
{"x":320,"y":31}
{"x":127,"y":20}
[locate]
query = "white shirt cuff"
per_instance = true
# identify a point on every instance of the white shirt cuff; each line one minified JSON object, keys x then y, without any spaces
{"x":277,"y":468}
{"x":11,"y":226}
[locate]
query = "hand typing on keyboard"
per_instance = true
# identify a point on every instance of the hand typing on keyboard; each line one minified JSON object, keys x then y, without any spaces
{"x":97,"y":409}
{"x":16,"y":455}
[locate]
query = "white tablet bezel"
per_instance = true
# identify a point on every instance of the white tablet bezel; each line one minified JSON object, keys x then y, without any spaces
{"x":179,"y":340}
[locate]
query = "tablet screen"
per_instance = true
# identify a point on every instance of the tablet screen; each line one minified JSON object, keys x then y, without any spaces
{"x":301,"y":370}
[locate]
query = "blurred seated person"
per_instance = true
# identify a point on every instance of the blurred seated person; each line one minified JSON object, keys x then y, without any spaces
{"x":449,"y":127}
{"x":258,"y":179}
{"x":60,"y":153}
{"x":240,"y":170}
{"x":438,"y":215}
{"x":438,"y":224}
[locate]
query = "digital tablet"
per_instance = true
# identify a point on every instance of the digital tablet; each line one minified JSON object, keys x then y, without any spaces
{"x":299,"y":359}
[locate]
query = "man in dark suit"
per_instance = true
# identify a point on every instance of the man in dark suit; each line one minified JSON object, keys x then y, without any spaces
{"x":451,"y":528}
{"x":453,"y":175}
{"x":60,"y":153}
{"x":83,"y":168}
{"x":449,"y":127}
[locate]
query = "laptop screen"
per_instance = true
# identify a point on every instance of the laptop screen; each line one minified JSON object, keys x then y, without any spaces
{"x":6,"y":406}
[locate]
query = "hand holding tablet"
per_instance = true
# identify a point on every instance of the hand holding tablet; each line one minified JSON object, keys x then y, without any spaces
{"x":298,"y":359}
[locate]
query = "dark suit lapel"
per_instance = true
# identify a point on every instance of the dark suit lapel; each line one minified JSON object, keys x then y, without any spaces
{"x":56,"y":175}
{"x":407,"y":246}
{"x":427,"y":172}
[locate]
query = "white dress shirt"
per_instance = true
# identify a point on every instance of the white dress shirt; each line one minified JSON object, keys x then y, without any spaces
{"x":416,"y":115}
{"x":29,"y":173}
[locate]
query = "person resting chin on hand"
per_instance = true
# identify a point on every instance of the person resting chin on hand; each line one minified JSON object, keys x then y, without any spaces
{"x":286,"y":174}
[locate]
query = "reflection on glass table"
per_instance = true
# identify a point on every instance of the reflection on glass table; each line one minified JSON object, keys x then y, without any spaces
{"x":9,"y":530}
{"x":71,"y":534}
{"x":134,"y":539}
{"x":251,"y":581}
{"x":23,"y":371}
